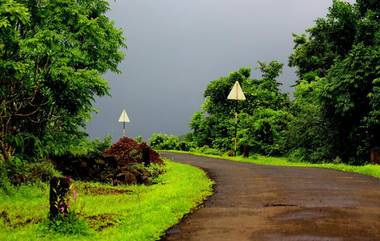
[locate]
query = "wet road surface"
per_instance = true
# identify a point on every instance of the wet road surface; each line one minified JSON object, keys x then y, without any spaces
{"x":254,"y":202}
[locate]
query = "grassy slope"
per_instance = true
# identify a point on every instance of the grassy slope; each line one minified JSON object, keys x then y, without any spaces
{"x":143,"y":214}
{"x":369,"y":170}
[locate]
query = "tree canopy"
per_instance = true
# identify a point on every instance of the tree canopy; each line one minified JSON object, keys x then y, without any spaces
{"x":335,"y":111}
{"x":341,"y":54}
{"x":52,"y":58}
{"x":263,"y":112}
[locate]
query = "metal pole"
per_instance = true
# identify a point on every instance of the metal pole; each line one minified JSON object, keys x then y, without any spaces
{"x":124,"y":131}
{"x":236,"y":123}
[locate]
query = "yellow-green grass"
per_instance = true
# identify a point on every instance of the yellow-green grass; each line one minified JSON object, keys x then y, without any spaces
{"x":143,"y":214}
{"x":369,"y":170}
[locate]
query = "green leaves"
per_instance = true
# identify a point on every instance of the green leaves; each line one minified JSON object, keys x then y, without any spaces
{"x":11,"y":11}
{"x":263,"y":115}
{"x":53,"y":55}
{"x":340,"y":58}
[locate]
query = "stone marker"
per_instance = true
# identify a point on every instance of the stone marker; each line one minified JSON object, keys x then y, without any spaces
{"x":59,"y":196}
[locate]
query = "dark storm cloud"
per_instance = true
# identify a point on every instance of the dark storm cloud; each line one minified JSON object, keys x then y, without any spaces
{"x":175,"y":47}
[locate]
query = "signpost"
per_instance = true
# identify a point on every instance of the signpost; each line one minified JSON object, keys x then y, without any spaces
{"x":124,"y":119}
{"x":236,"y":94}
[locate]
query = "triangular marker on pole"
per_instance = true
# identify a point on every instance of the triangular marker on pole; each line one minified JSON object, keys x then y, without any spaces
{"x":124,"y":117}
{"x":236,"y":92}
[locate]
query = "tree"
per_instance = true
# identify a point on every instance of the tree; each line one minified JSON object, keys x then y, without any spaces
{"x":328,"y":40}
{"x":341,"y":53}
{"x":52,"y":58}
{"x":262,"y":114}
{"x":350,"y":101}
{"x":307,"y":132}
{"x":264,"y":132}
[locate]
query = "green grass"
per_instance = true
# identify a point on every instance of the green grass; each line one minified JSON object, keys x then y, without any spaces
{"x":369,"y":170}
{"x":142,"y":213}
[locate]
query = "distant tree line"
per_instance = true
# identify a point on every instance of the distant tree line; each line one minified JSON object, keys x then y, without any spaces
{"x":335,"y":112}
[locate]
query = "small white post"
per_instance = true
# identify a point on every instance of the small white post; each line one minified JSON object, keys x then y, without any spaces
{"x":124,"y":119}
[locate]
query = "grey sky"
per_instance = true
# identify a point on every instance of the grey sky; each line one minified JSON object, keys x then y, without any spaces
{"x":175,"y":47}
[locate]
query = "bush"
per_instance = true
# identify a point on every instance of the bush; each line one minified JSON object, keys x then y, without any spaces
{"x":90,"y":147}
{"x":68,"y":224}
{"x":139,"y":139}
{"x":122,"y":163}
{"x":34,"y":172}
{"x":18,"y":171}
{"x":155,"y":170}
{"x":185,"y":146}
{"x":161,"y":141}
{"x":318,"y":155}
{"x":129,"y":151}
{"x":5,"y":184}
{"x":208,"y":150}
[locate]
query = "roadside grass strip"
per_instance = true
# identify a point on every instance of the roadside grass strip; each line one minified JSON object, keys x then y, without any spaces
{"x":368,"y":170}
{"x":138,"y":212}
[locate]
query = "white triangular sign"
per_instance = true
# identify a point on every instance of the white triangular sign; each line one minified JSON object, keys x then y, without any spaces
{"x":236,"y":92}
{"x":124,"y":117}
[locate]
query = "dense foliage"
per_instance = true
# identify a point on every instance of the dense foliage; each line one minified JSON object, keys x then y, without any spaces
{"x":263,"y":116}
{"x":52,"y":57}
{"x":160,"y":141}
{"x":340,"y":58}
{"x":335,"y":113}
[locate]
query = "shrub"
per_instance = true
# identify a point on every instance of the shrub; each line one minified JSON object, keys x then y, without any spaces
{"x":129,"y":151}
{"x":90,"y":147}
{"x":208,"y":150}
{"x":34,"y":172}
{"x":155,"y":170}
{"x":161,"y":141}
{"x":139,"y":139}
{"x":185,"y":146}
{"x":122,"y":163}
{"x":18,"y":171}
{"x":317,"y":155}
{"x":68,"y":224}
{"x":5,"y":184}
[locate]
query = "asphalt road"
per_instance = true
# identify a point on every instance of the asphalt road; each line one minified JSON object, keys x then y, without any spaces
{"x":253,"y":202}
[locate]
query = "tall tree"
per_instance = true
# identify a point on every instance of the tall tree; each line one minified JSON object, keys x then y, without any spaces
{"x":343,"y":50}
{"x":263,"y":114}
{"x":52,"y":58}
{"x":329,"y":40}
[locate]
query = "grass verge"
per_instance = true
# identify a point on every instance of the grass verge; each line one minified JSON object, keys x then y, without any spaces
{"x":140,"y":213}
{"x":368,"y":170}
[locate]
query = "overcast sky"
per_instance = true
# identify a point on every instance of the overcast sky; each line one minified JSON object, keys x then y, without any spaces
{"x":175,"y":47}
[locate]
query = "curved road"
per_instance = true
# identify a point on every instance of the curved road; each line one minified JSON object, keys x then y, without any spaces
{"x":253,"y":202}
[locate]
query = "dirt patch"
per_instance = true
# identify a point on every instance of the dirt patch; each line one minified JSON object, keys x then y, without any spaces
{"x":18,"y":221}
{"x":102,"y":221}
{"x":5,"y":217}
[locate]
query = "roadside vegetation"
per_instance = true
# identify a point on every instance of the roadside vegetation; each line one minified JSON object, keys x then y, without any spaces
{"x":334,"y":114}
{"x":368,"y":170}
{"x":53,"y":56}
{"x":134,"y":212}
